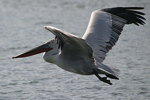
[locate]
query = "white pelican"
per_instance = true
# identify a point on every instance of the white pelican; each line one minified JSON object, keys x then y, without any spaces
{"x":85,"y":55}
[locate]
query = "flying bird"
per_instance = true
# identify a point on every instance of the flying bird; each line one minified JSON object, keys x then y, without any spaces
{"x":85,"y":55}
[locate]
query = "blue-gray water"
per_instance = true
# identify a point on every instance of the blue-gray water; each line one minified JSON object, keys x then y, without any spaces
{"x":22,"y":28}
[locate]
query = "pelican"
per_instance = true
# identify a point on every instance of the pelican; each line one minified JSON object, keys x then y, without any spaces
{"x":85,"y":55}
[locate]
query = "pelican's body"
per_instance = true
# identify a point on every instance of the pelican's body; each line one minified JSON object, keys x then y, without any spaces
{"x":85,"y":55}
{"x":75,"y":57}
{"x":70,"y":61}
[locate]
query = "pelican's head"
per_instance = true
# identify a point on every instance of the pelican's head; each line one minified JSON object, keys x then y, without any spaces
{"x":50,"y":55}
{"x":50,"y":48}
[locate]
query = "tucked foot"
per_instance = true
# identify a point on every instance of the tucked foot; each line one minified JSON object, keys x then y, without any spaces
{"x":104,"y":79}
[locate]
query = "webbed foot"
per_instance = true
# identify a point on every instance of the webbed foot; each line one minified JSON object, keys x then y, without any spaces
{"x":104,"y":79}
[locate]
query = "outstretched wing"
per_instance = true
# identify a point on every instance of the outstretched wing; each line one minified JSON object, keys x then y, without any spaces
{"x":106,"y":25}
{"x":71,"y":45}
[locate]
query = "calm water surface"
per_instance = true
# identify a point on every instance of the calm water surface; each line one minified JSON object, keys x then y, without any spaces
{"x":22,"y":28}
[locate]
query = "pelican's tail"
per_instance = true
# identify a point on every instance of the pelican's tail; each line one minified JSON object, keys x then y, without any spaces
{"x":110,"y":72}
{"x":115,"y":72}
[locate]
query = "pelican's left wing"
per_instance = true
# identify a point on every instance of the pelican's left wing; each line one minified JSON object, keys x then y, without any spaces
{"x":71,"y":45}
{"x":106,"y":25}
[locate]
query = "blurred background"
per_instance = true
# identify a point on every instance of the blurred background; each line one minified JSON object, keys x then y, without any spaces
{"x":22,"y":28}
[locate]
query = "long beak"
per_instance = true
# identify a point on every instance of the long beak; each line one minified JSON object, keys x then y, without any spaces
{"x":40,"y":49}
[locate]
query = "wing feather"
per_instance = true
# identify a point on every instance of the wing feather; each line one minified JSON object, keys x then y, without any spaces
{"x":71,"y":45}
{"x":106,"y":25}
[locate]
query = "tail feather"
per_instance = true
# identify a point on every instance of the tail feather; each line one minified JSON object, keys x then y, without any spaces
{"x":110,"y":72}
{"x":115,"y":70}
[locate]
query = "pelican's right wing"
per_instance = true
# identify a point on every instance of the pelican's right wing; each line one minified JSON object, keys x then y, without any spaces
{"x":106,"y":25}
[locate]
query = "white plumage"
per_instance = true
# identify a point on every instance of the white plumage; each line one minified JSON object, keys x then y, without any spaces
{"x":85,"y":55}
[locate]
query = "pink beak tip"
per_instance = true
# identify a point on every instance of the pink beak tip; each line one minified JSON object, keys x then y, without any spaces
{"x":13,"y":57}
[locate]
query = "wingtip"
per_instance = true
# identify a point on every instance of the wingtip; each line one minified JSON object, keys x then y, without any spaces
{"x":135,"y":7}
{"x":49,"y":28}
{"x":46,"y":27}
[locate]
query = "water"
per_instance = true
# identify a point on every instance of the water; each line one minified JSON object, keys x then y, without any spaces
{"x":22,"y":28}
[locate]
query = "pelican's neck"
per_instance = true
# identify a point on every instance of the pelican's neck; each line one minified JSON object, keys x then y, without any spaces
{"x":51,"y":57}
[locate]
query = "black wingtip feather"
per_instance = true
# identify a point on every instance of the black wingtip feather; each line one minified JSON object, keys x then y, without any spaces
{"x":134,"y":8}
{"x":128,"y":13}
